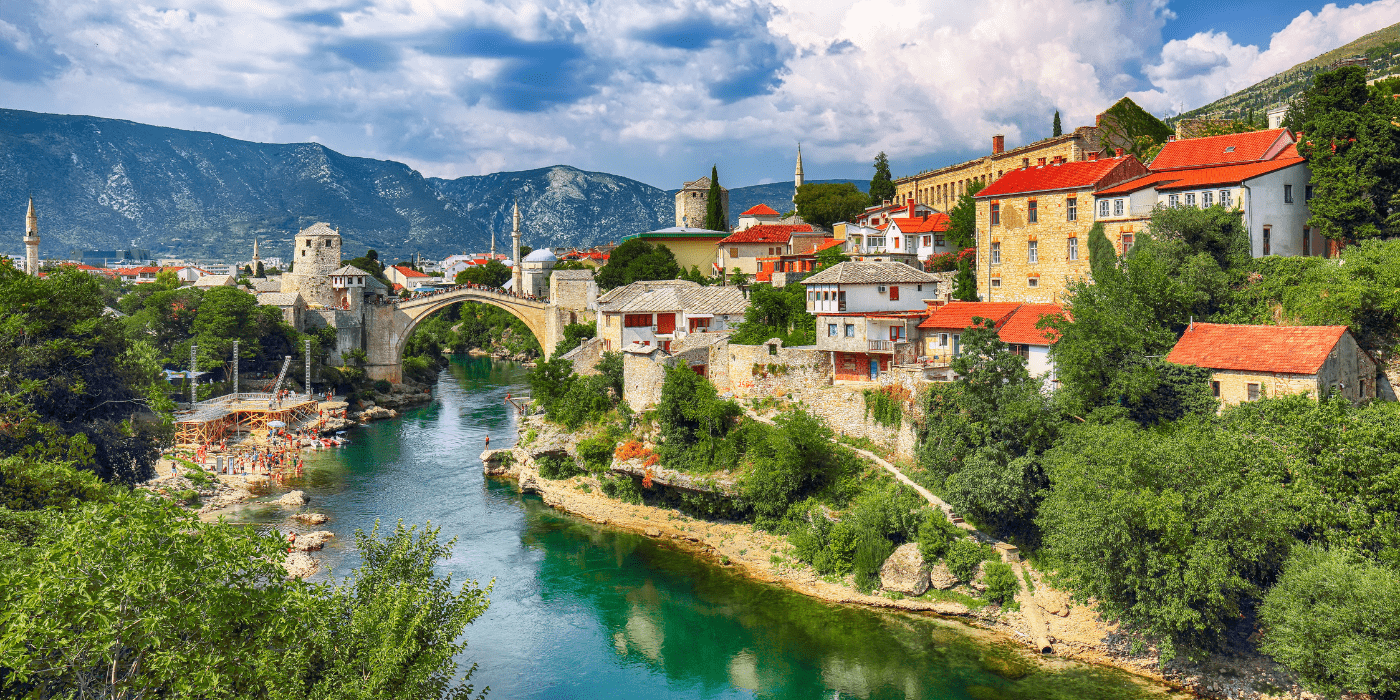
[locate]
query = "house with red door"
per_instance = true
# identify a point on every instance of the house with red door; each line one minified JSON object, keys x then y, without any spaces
{"x":658,"y":313}
{"x":868,"y":314}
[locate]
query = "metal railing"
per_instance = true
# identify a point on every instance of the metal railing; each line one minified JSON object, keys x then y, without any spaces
{"x":882,"y":345}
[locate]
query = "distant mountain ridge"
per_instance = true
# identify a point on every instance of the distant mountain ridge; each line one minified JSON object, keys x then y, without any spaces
{"x":1381,"y":48}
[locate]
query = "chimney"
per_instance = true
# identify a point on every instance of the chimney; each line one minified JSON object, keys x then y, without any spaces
{"x":1118,"y":152}
{"x":1093,"y":155}
{"x":1171,"y":138}
{"x":998,"y":144}
{"x":1040,"y":163}
{"x":912,"y":207}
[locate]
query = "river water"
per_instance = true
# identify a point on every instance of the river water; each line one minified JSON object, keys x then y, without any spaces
{"x":580,"y":610}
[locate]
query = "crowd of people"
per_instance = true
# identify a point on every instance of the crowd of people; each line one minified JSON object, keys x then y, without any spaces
{"x":412,"y":296}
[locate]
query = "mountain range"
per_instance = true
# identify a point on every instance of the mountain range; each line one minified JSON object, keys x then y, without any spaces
{"x":107,"y":184}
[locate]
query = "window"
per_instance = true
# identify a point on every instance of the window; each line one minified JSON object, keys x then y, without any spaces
{"x":1288,"y":194}
{"x":811,"y":296}
{"x":1307,"y":243}
{"x":894,"y":293}
{"x":996,"y":282}
{"x":841,"y":300}
{"x":920,"y":287}
{"x":850,"y":330}
{"x":1252,"y":391}
{"x":303,"y":253}
{"x":1215,"y":389}
{"x":1071,"y":209}
{"x":996,"y":253}
{"x":1103,"y":207}
{"x":1032,"y":212}
{"x":1073,"y":252}
{"x":1127,"y":243}
{"x":1033,"y":251}
{"x":996,"y":214}
{"x":942,"y":340}
{"x":1307,"y":193}
{"x":733,"y":252}
{"x":1267,"y":232}
{"x":938,"y":241}
{"x":637,"y":320}
{"x":1205,"y":199}
{"x":1173,"y":200}
{"x":1025,"y":162}
{"x":880,"y":289}
{"x":831,"y":329}
{"x":1190,"y":199}
{"x":1225,"y":198}
{"x":1033,"y":282}
{"x":1117,"y":207}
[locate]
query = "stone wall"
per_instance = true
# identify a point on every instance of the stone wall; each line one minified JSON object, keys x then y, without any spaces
{"x":843,"y":409}
{"x":642,"y":376}
{"x":1010,"y":279}
{"x":570,"y":293}
{"x":585,"y":357}
{"x":1234,"y":385}
{"x":793,"y":369}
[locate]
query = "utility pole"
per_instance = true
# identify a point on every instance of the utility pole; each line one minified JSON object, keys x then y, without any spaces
{"x":235,"y":369}
{"x":194,"y":397}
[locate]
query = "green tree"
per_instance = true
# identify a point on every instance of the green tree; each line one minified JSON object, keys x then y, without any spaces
{"x":962,"y":219}
{"x":829,"y":257}
{"x":258,"y":271}
{"x":716,"y":218}
{"x":574,"y":335}
{"x":777,"y":312}
{"x":637,"y":260}
{"x":695,"y":423}
{"x":882,"y":185}
{"x":1055,"y":128}
{"x":1334,"y":619}
{"x":167,"y":280}
{"x":493,"y":274}
{"x":965,"y":283}
{"x":825,"y":204}
{"x":1353,"y":149}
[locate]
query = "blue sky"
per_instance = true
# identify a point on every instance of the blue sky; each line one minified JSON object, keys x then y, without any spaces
{"x":652,"y":90}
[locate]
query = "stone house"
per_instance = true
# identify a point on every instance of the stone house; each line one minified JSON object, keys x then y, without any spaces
{"x":1033,"y":225}
{"x":211,"y":281}
{"x":744,"y":247}
{"x":1248,"y":363}
{"x":658,"y":313}
{"x":868,"y":315}
{"x":1020,"y":333}
{"x":940,"y":333}
{"x":1257,"y":172}
{"x":291,"y":304}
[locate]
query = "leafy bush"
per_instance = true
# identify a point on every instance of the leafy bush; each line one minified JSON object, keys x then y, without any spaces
{"x":383,"y":386}
{"x":696,"y":423}
{"x":936,"y":535}
{"x":964,"y":556}
{"x":623,"y":488}
{"x":557,"y":467}
{"x":886,"y":405}
{"x":596,"y":453}
{"x":871,"y":551}
{"x":1002,"y":586}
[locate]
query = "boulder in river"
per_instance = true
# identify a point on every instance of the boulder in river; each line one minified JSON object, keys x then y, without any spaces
{"x":311,"y":518}
{"x":300,"y":565}
{"x":293,"y":499}
{"x":904,"y":571}
{"x":312,"y":541}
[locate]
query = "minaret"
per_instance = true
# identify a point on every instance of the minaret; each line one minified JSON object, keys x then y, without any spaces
{"x":31,"y":241}
{"x":256,"y":259}
{"x":493,"y":244}
{"x":515,"y":273}
{"x":797,"y":178}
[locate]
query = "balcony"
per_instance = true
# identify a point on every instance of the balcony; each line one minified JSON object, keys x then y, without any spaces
{"x":881,"y":345}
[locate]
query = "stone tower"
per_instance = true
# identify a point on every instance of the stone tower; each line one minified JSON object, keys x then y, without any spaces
{"x":797,"y":178}
{"x":515,"y":275}
{"x":256,"y":259}
{"x":31,"y":241}
{"x":317,"y":255}
{"x":691,"y":201}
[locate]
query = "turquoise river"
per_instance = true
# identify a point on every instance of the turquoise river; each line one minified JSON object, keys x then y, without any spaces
{"x":581,"y":610}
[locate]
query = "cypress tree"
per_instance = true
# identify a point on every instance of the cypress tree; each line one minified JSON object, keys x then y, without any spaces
{"x":1055,"y":129}
{"x":1103,"y":258}
{"x":882,"y":185}
{"x":965,"y":283}
{"x":716,"y":218}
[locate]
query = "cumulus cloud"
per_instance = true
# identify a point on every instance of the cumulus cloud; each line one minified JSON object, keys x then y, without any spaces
{"x":654,"y":90}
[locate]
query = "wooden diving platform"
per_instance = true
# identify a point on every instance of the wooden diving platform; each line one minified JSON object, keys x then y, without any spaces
{"x":210,"y":421}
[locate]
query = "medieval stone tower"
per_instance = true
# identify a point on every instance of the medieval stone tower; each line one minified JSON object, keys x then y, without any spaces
{"x":31,"y":241}
{"x":691,"y":201}
{"x":316,"y":256}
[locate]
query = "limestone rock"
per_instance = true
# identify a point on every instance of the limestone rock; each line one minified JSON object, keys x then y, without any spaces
{"x":941,"y":578}
{"x":904,"y":571}
{"x":312,"y":541}
{"x":300,"y":565}
{"x":653,"y":532}
{"x":294,"y":499}
{"x":311,"y":518}
{"x":979,"y":579}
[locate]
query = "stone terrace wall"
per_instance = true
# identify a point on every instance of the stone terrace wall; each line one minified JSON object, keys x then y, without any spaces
{"x":798,"y":368}
{"x":843,"y":409}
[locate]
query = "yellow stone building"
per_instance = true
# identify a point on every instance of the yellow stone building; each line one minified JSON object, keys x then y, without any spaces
{"x":1033,"y":225}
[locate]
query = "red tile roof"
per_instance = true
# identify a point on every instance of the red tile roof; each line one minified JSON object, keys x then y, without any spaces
{"x":1139,"y":183}
{"x":1020,"y":328}
{"x":1286,"y":349}
{"x":760,"y":210}
{"x":957,"y":315}
{"x":1226,"y":174}
{"x":766,"y":233}
{"x":1219,"y":150}
{"x":1073,"y":175}
{"x":409,"y":272}
{"x":929,"y":224}
{"x":826,"y":243}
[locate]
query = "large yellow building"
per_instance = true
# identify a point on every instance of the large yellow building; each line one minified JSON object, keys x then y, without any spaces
{"x":693,"y":247}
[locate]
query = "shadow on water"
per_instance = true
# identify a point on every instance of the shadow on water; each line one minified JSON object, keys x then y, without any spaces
{"x":580,"y":610}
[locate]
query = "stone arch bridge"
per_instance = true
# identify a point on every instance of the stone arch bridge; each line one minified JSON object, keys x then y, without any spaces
{"x":388,"y":327}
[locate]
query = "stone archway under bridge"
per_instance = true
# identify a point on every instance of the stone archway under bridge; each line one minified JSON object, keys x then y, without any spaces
{"x":388,"y":327}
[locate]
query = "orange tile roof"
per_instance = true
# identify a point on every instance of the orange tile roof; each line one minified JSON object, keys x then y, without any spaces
{"x":1072,"y":175}
{"x":957,"y":315}
{"x":826,"y":243}
{"x":1226,"y":174}
{"x":766,"y":233}
{"x":1020,"y":328}
{"x":932,"y":223}
{"x":1139,"y":183}
{"x":760,"y":210}
{"x":1285,"y":349}
{"x":409,"y":272}
{"x":1247,"y":147}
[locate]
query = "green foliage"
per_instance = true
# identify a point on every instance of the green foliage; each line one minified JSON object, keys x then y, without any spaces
{"x":936,"y":535}
{"x":637,"y":260}
{"x":493,"y":274}
{"x":716,"y":218}
{"x":962,"y":219}
{"x":695,"y":423}
{"x":965,"y":555}
{"x":882,"y":185}
{"x":574,"y":335}
{"x":569,"y":399}
{"x":871,"y":551}
{"x":1130,"y":127}
{"x":1334,"y":618}
{"x":829,"y":257}
{"x":824,"y":204}
{"x":1002,"y":585}
{"x":623,"y":488}
{"x":1055,"y":128}
{"x":556,"y":466}
{"x":383,"y":386}
{"x":596,"y":453}
{"x":486,"y":326}
{"x":886,"y":408}
{"x":965,"y":283}
{"x":369,"y":262}
{"x":776,"y":312}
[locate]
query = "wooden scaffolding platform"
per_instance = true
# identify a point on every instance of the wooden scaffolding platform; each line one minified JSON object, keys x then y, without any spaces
{"x":210,"y":421}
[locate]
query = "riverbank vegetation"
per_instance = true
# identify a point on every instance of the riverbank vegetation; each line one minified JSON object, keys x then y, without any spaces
{"x":109,"y":591}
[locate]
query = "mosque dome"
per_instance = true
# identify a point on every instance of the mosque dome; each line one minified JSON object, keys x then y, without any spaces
{"x":540,"y":256}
